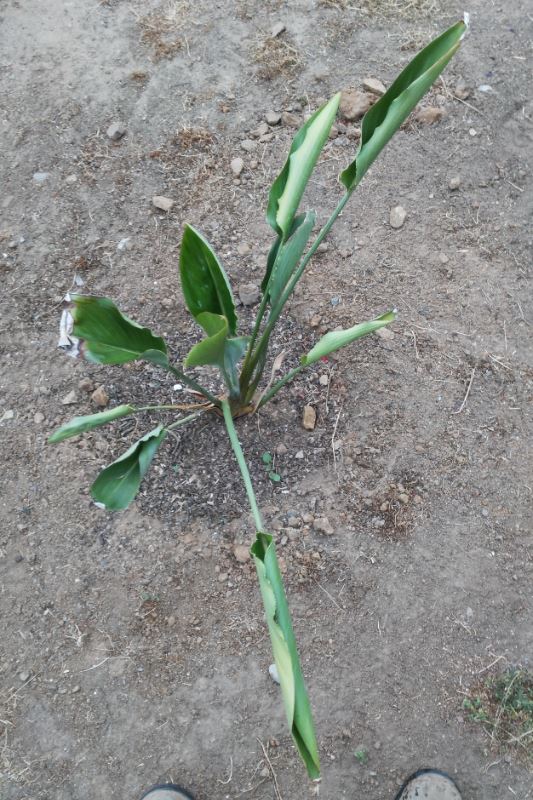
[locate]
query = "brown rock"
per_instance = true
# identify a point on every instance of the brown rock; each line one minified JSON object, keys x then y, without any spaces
{"x":323,"y":525}
{"x":100,"y":397}
{"x":86,"y":385}
{"x":429,"y":115}
{"x":309,"y":418}
{"x":241,"y":553}
{"x":291,"y":120}
{"x":354,"y":104}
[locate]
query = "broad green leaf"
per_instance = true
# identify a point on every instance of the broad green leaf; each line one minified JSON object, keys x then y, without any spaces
{"x":117,"y":484}
{"x":289,"y":186}
{"x":219,"y":349}
{"x":79,"y":425}
{"x":385,"y":117}
{"x":295,"y":699}
{"x":289,"y":254}
{"x":205,"y":284}
{"x":112,"y":338}
{"x":334,"y":340}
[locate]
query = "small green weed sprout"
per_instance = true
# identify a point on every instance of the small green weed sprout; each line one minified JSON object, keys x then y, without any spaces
{"x":104,"y":335}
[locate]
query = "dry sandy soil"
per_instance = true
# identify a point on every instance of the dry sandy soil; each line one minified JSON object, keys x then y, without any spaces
{"x":133,"y":647}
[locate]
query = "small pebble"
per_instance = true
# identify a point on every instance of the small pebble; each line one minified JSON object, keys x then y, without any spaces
{"x":248,"y":145}
{"x":115,"y":131}
{"x":237,"y":166}
{"x":374,"y":86}
{"x":281,"y":449}
{"x":397,"y":216}
{"x":323,"y":525}
{"x":249,"y":294}
{"x":38,"y":418}
{"x":70,"y":399}
{"x":273,"y":117}
{"x":299,"y":454}
{"x":41,"y":177}
{"x":243,"y":249}
{"x":454,"y":183}
{"x":385,"y":333}
{"x":277,"y":29}
{"x":24,"y":676}
{"x":162,"y":203}
{"x":403,"y":498}
{"x":323,"y":380}
{"x":273,"y":672}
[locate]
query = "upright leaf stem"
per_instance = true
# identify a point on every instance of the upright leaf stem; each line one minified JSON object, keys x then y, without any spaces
{"x":239,"y":455}
{"x":278,"y":308}
{"x":277,"y":386}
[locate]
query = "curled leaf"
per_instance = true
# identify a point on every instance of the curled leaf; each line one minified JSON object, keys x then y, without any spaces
{"x":118,"y":484}
{"x":110,"y":337}
{"x":334,"y":340}
{"x":294,"y":693}
{"x":385,"y":117}
{"x":79,"y":425}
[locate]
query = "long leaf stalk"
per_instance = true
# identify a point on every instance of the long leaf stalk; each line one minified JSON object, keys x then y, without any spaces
{"x":193,"y":385}
{"x":243,"y":466}
{"x":295,"y":698}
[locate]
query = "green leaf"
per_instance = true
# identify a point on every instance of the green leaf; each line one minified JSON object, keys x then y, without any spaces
{"x":334,"y":340}
{"x":266,"y":458}
{"x":82,"y":424}
{"x":112,"y":338}
{"x":218,"y":349}
{"x":274,"y":477}
{"x":292,"y":684}
{"x":385,"y":117}
{"x":289,"y":186}
{"x":205,"y":284}
{"x":117,"y":485}
{"x":289,"y":254}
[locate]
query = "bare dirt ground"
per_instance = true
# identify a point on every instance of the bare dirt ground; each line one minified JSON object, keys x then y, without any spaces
{"x":132,"y":646}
